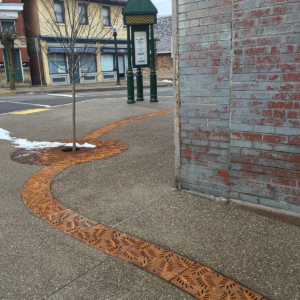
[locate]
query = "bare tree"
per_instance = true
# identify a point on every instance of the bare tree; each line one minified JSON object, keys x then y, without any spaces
{"x":7,"y":39}
{"x":79,"y":23}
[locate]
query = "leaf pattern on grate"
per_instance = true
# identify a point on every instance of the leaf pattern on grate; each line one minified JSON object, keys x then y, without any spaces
{"x":46,"y":208}
{"x":32,"y":198}
{"x":157,"y":260}
{"x":38,"y":183}
{"x":37,"y":204}
{"x":49,"y":171}
{"x":89,"y":235}
{"x":246,"y":294}
{"x":112,"y":241}
{"x":68,"y":221}
{"x":203,"y":283}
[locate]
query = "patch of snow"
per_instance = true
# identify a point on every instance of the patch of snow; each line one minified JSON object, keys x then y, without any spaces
{"x":165,"y":80}
{"x":23,"y":143}
{"x":85,"y":145}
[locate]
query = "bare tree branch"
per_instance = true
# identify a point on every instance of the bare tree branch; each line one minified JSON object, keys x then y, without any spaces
{"x":82,"y":28}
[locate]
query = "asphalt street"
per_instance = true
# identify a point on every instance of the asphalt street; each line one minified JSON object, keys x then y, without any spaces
{"x":22,"y":102}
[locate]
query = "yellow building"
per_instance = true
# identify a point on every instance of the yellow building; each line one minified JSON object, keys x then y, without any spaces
{"x":53,"y":26}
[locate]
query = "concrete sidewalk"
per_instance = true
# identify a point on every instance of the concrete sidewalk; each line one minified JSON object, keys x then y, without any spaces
{"x":134,"y":193}
{"x":99,"y":86}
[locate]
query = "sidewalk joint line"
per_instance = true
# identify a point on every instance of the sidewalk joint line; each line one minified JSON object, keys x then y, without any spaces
{"x":140,"y":211}
{"x":79,"y":276}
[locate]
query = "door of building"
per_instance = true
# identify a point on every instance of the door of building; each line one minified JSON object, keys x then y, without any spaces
{"x":77,"y":79}
{"x":121,"y":66}
{"x":17,"y":66}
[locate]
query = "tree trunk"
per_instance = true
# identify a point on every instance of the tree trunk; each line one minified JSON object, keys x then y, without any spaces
{"x":11,"y":69}
{"x":73,"y":103}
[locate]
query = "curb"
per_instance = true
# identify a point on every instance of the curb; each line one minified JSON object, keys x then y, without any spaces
{"x":282,"y":215}
{"x":83,"y":90}
{"x":8,"y":93}
{"x":285,"y":216}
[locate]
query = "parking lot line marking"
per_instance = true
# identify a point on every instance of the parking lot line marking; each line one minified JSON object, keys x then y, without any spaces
{"x":42,"y":105}
{"x":7,"y":92}
{"x":60,"y":95}
{"x":29,"y":111}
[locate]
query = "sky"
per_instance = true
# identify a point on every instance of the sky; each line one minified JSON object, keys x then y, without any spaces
{"x":164,"y":7}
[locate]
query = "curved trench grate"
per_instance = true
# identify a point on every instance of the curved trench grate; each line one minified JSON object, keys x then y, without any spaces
{"x":194,"y":278}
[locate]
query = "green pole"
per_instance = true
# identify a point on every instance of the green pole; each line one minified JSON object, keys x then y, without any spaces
{"x":139,"y":84}
{"x":153,"y":79}
{"x":130,"y":84}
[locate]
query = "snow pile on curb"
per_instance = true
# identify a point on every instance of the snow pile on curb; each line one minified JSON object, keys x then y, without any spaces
{"x":25,"y":144}
{"x":165,"y":80}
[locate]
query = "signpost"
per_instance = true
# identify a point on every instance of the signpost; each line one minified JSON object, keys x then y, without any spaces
{"x":138,"y":15}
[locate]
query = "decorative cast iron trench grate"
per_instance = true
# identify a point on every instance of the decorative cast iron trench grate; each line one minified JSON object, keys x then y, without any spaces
{"x":194,"y":278}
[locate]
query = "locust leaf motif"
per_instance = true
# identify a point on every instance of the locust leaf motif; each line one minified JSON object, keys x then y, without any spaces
{"x":246,"y":294}
{"x":228,"y":296}
{"x":186,"y":281}
{"x":166,"y":267}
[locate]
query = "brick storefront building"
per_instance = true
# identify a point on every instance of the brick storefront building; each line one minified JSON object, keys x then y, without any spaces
{"x":11,"y":13}
{"x":238,"y":99}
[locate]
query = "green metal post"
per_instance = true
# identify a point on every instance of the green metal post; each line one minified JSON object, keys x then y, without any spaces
{"x":139,"y":85}
{"x":130,"y":83}
{"x":153,"y":79}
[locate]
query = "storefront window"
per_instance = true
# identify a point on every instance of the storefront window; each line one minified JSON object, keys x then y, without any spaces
{"x":88,"y":63}
{"x":57,"y":63}
{"x":107,"y":62}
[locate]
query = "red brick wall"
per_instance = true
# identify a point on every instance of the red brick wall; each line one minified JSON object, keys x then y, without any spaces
{"x":265,"y":113}
{"x":1,"y":56}
{"x":239,"y":79}
{"x":20,"y":24}
{"x":24,"y":54}
{"x":20,"y":21}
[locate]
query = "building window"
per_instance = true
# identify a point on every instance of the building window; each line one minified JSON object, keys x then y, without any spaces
{"x":58,"y":7}
{"x":82,"y":13}
{"x":106,"y":15}
{"x":7,"y":26}
{"x":107,"y":62}
{"x":88,"y":63}
{"x":57,"y":63}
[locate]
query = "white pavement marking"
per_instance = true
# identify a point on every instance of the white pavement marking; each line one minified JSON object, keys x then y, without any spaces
{"x":96,"y":99}
{"x":60,"y":95}
{"x":26,"y":103}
